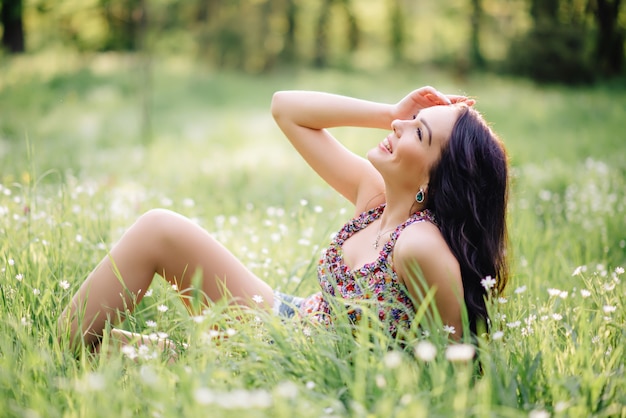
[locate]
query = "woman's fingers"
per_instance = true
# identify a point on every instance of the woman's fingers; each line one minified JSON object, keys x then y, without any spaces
{"x":454,"y":98}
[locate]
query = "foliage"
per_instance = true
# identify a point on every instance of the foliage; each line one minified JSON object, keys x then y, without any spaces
{"x":544,"y":38}
{"x":553,"y":54}
{"x":74,"y":176}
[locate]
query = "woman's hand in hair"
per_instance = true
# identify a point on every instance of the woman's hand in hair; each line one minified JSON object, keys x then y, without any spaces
{"x":424,"y":97}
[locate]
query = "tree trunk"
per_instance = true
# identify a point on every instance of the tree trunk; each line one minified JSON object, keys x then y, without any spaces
{"x":354,"y":33}
{"x":321,"y":35}
{"x":610,"y":43}
{"x":476,"y":57}
{"x":289,"y":52}
{"x":12,"y":24}
{"x":397,"y":34}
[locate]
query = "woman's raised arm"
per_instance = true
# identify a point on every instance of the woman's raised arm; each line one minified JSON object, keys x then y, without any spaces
{"x":303,"y":116}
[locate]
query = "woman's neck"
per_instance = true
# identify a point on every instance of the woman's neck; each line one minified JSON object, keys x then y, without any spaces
{"x":397,"y":210}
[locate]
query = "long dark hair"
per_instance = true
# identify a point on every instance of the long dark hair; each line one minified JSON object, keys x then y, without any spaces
{"x":468,"y":191}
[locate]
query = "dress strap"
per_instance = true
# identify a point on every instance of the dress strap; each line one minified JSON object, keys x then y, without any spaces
{"x":421,"y":216}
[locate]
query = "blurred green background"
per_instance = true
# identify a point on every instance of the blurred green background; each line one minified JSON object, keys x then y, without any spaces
{"x":109,"y":108}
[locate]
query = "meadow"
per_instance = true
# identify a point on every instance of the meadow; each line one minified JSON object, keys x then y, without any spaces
{"x":81,"y":159}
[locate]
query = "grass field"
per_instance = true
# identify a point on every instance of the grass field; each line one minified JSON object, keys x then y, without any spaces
{"x":79,"y":165}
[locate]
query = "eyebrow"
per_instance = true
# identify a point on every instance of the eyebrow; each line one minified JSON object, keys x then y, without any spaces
{"x":430,"y":133}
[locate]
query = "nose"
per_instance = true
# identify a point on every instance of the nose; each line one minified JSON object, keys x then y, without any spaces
{"x":396,"y":126}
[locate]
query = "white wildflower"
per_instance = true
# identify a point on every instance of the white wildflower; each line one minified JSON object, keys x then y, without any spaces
{"x":19,"y":277}
{"x":585,"y":293}
{"x":11,"y":262}
{"x":619,"y":270}
{"x":520,"y":289}
{"x":560,"y":406}
{"x":129,"y":351}
{"x":554,"y":292}
{"x":609,"y":308}
{"x":499,"y":316}
{"x":310,"y":385}
{"x":609,"y":286}
{"x":381,"y":382}
{"x":449,"y":329}
{"x":162,"y":308}
{"x":148,"y":293}
{"x":515,"y":324}
{"x":579,"y":270}
{"x":498,"y":335}
{"x":204,"y":396}
{"x":64,"y":284}
{"x":392,"y":359}
{"x":488,"y":283}
{"x":502,"y":300}
{"x":530,"y":319}
{"x":151,"y":324}
{"x":539,"y":413}
{"x":146,"y":353}
{"x":36,"y":292}
{"x":257,"y":298}
{"x":425,"y":351}
{"x":95,"y":381}
{"x":287,"y":390}
{"x":557,"y":316}
{"x":79,"y":238}
{"x":148,"y":375}
{"x":460,"y":352}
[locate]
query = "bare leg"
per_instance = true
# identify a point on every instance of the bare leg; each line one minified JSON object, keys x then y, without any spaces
{"x":160,"y":242}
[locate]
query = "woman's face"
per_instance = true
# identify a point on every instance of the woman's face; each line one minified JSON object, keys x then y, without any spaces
{"x":406,"y":155}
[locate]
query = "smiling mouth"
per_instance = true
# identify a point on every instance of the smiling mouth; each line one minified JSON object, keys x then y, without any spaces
{"x":387,"y":144}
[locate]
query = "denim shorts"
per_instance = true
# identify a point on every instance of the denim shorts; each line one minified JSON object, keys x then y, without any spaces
{"x":286,"y":306}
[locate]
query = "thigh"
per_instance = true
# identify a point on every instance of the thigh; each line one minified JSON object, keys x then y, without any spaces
{"x":179,"y":250}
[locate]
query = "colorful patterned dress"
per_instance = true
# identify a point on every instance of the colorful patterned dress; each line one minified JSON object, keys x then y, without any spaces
{"x":374,"y":283}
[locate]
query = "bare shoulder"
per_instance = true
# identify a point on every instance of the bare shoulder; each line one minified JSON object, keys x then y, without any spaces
{"x":421,"y":244}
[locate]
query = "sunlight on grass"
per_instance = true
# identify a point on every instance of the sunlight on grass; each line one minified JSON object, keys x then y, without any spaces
{"x":75,"y":175}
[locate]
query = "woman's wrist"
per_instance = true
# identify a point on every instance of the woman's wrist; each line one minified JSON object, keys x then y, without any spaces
{"x":319,"y":110}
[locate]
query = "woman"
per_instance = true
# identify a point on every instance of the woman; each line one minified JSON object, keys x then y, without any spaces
{"x":430,"y":203}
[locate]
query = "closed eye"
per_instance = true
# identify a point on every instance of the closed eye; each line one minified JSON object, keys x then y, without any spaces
{"x":419,"y":133}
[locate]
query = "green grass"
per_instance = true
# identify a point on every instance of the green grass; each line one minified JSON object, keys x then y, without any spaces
{"x":75,"y":174}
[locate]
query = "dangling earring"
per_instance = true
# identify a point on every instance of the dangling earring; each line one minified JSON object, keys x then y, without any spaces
{"x":420,"y":196}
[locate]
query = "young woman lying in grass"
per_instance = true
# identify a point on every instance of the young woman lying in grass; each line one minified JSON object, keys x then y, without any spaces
{"x":429,"y":216}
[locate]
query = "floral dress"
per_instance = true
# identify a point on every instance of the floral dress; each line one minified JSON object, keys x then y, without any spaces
{"x":375,"y":284}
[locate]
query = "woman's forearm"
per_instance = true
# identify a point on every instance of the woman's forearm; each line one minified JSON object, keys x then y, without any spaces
{"x":317,"y":110}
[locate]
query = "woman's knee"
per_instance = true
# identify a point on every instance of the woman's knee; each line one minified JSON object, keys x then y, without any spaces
{"x":159,"y":224}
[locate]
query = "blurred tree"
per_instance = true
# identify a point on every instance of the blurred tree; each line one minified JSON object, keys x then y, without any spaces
{"x":289,"y":52}
{"x":397,"y":29}
{"x":556,"y":48}
{"x":320,"y":58}
{"x":11,"y":19}
{"x":124,"y":19}
{"x":609,"y":50}
{"x":476,"y":57}
{"x":544,"y":11}
{"x":321,"y":53}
